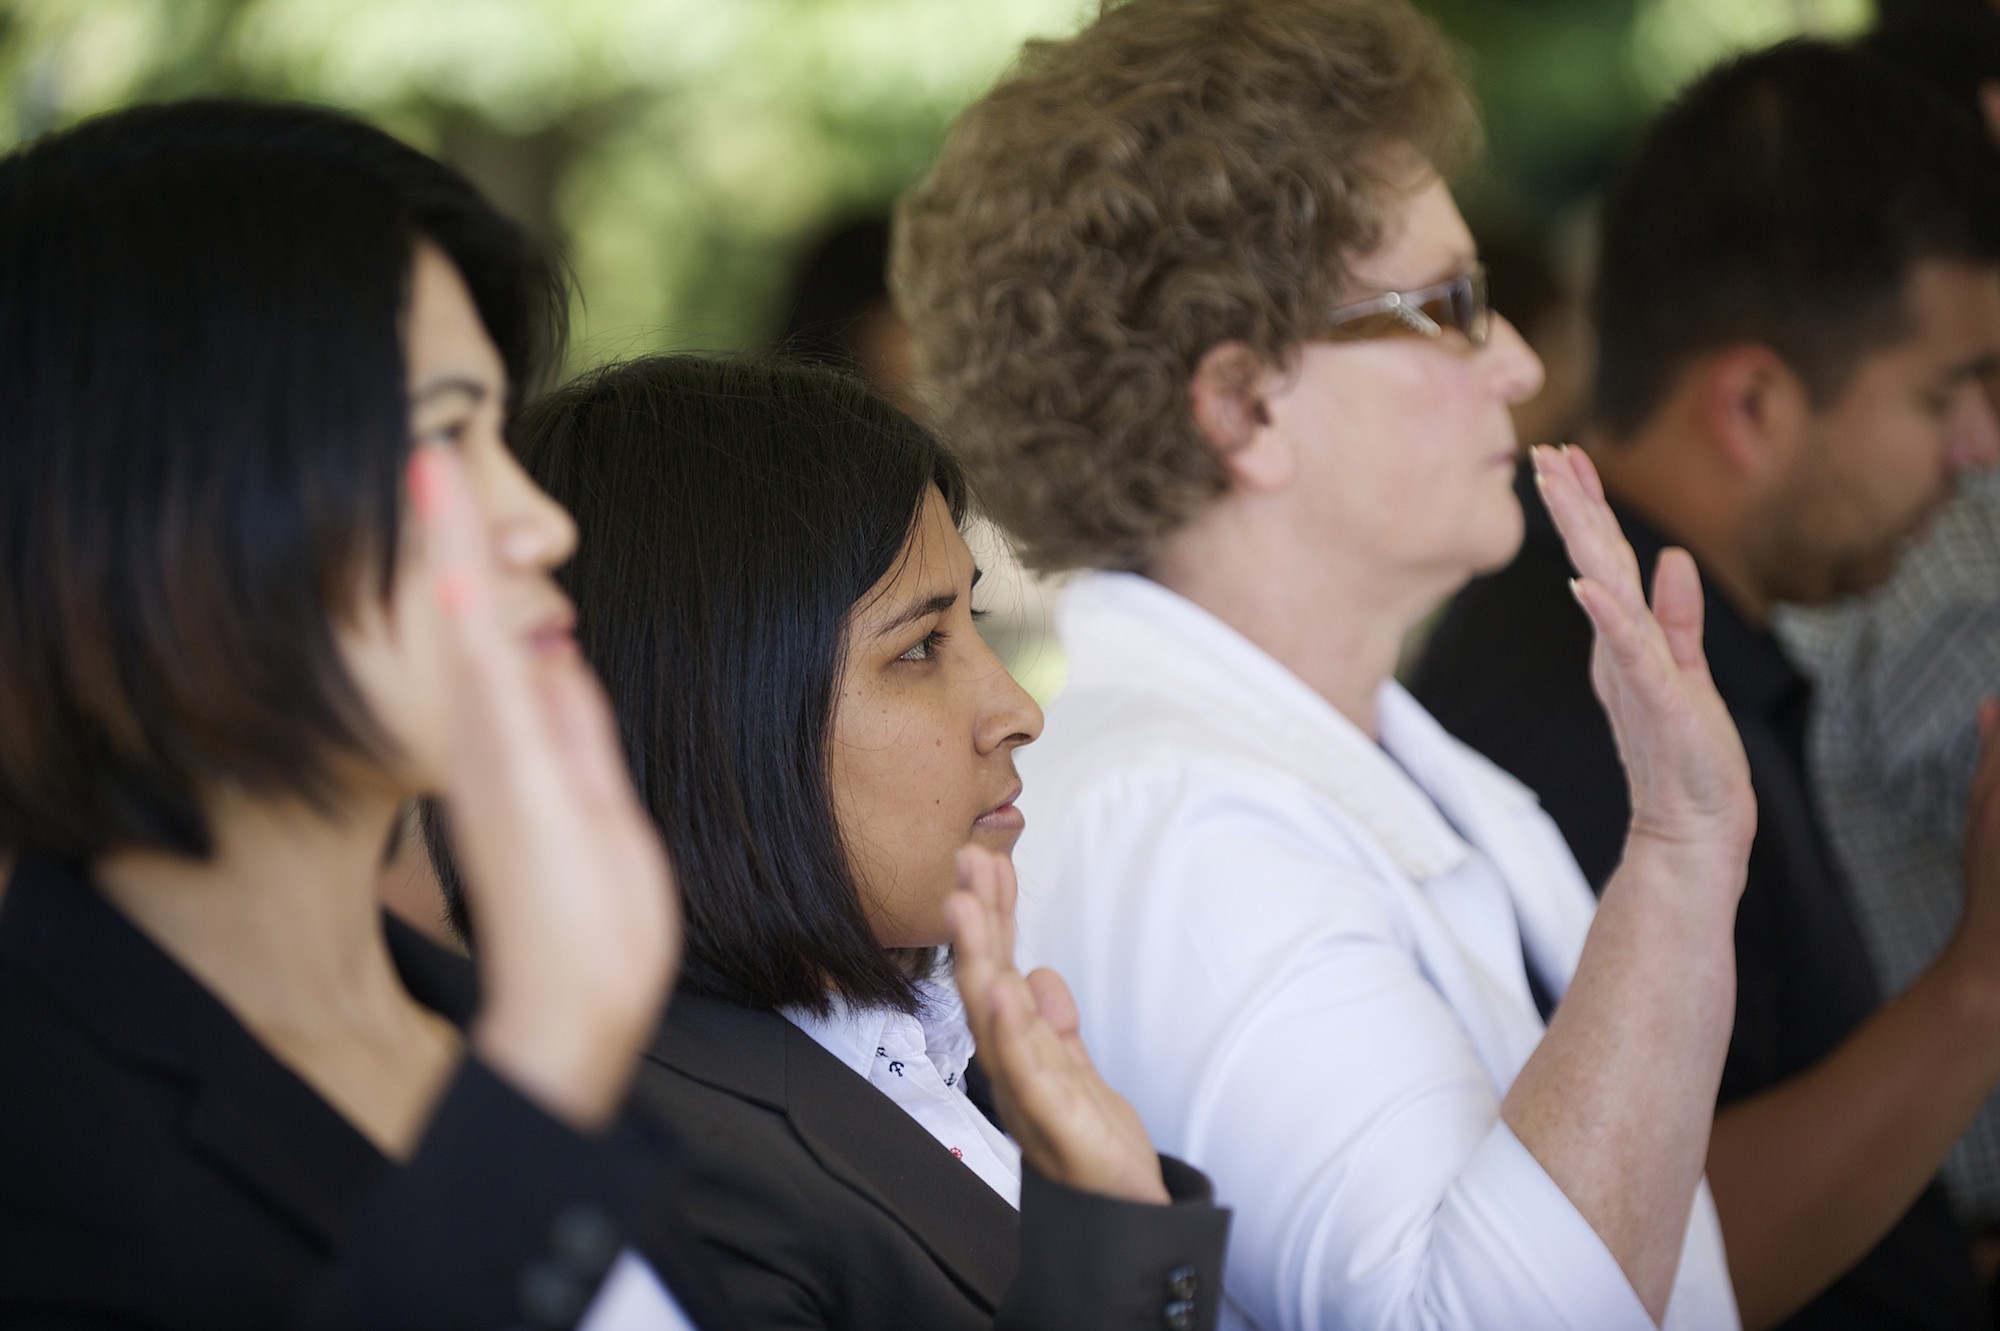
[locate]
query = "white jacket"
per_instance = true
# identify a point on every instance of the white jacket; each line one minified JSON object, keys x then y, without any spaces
{"x":1302,"y":959}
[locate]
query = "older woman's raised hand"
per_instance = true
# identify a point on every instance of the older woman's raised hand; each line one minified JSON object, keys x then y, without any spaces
{"x":1690,"y":781}
{"x":579,"y":920}
{"x":1071,"y":1126}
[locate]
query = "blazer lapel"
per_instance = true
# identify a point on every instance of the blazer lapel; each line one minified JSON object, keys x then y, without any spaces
{"x":854,"y":1131}
{"x":251,"y":1117}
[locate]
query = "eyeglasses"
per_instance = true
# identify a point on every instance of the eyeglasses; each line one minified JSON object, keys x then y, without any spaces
{"x":1459,"y":303}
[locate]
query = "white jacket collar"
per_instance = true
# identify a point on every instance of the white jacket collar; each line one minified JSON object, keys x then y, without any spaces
{"x":1126,"y":631}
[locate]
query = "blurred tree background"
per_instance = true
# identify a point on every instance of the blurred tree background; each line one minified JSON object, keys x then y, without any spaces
{"x":681,"y":152}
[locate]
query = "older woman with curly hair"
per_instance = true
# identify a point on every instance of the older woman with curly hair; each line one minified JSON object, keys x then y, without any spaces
{"x":1196,"y":301}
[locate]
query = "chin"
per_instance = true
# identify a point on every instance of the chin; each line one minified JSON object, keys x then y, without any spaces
{"x":1000,"y":842}
{"x":1498,"y":535}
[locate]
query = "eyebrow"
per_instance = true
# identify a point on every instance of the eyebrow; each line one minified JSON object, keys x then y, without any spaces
{"x":1978,"y":367}
{"x":935,"y":605}
{"x":444,"y":387}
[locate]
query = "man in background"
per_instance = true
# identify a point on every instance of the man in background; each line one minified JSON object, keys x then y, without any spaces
{"x":1898,"y":676}
{"x":1798,"y":297}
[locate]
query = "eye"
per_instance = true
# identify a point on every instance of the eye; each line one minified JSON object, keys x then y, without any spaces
{"x":925,"y":648}
{"x":452,"y":433}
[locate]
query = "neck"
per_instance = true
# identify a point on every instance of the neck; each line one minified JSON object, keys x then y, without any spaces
{"x":1333,"y":618}
{"x":1673,"y":480}
{"x":281,"y":923}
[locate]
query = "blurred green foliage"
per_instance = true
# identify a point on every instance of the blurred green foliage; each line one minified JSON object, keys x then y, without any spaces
{"x":681,"y":150}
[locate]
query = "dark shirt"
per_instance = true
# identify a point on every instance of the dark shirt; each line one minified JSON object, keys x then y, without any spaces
{"x":163,"y":1170}
{"x":1508,"y":671}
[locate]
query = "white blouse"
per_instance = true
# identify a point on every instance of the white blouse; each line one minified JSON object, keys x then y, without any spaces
{"x":1302,"y":958}
{"x":919,"y":1062}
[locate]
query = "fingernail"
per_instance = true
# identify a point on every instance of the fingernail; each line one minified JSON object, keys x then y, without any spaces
{"x":1575,"y":590}
{"x":454,"y":592}
{"x":423,"y":482}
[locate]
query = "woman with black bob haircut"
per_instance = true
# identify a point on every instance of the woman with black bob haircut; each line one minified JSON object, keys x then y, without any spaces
{"x":776,"y":594}
{"x":268,"y":571}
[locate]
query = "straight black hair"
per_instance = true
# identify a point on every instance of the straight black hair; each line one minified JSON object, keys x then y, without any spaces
{"x":203,"y":429}
{"x":734,"y":513}
{"x":1784,"y":199}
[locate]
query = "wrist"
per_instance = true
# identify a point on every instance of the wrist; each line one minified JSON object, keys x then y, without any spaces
{"x":1968,"y":974}
{"x":576,"y":1066}
{"x":1146,"y":1186}
{"x":1703,"y":875}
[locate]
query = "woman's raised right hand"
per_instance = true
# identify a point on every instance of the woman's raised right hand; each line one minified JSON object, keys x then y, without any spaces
{"x":1071,"y":1126}
{"x":1690,"y":781}
{"x":579,"y":919}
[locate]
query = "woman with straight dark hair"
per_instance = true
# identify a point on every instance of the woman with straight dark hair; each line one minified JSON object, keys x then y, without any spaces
{"x":776,"y":594}
{"x":268,"y":571}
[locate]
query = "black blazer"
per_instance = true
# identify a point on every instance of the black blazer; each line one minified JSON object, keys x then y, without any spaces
{"x":161,"y":1169}
{"x":823,"y":1205}
{"x":1508,"y":671}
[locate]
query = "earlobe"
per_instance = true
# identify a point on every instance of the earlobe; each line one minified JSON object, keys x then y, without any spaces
{"x":1226,"y":396}
{"x":1754,"y":408}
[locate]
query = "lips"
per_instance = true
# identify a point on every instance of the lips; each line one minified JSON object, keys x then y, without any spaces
{"x":1003,"y":817}
{"x":554,"y":633}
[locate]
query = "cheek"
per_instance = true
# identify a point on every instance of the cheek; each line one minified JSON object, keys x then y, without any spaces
{"x":898,"y":786}
{"x":1415,"y":465}
{"x":395,"y":655}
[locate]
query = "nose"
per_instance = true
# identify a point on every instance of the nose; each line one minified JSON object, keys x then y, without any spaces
{"x":1009,"y":716}
{"x":1973,"y":443}
{"x":533,"y":530}
{"x":1517,"y":370}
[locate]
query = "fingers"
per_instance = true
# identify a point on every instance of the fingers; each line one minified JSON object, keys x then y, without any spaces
{"x":1585,"y":472}
{"x":977,"y":960}
{"x":1590,"y":532}
{"x":586,"y":735}
{"x":1983,"y":804}
{"x":1006,"y":892}
{"x":1986,"y":777}
{"x":458,"y":560}
{"x":1025,"y":1057}
{"x":496,"y":722}
{"x":1054,"y":1001}
{"x":1677,"y":605}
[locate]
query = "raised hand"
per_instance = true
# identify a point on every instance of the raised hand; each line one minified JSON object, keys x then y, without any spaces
{"x":579,"y":920}
{"x":1977,"y":938}
{"x":1689,"y":778}
{"x":1071,"y":1126}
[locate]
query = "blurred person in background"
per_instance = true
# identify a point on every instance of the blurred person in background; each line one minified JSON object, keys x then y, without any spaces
{"x":1798,"y":303}
{"x":777,"y":595}
{"x":838,"y":311}
{"x":268,"y":572}
{"x":1898,"y":676}
{"x":1198,"y":306}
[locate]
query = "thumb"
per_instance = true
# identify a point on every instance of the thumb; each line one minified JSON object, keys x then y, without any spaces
{"x":1677,"y":605}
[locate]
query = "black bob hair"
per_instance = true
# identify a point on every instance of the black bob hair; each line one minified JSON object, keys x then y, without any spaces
{"x":203,"y":429}
{"x":1784,"y":199}
{"x":734,"y":513}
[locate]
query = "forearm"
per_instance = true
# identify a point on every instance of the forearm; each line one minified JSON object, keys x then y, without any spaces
{"x":1811,"y":1174}
{"x":1617,"y":1102}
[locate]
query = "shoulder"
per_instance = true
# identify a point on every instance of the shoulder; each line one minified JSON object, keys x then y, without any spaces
{"x":94,"y":1178}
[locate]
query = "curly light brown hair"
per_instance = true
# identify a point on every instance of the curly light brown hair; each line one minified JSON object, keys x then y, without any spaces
{"x":1180,"y":174}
